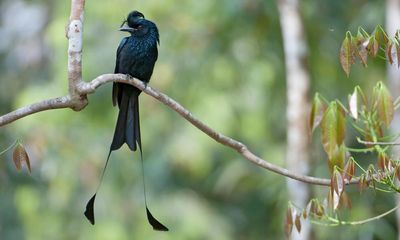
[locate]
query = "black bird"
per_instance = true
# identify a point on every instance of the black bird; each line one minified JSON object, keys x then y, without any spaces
{"x":136,"y":56}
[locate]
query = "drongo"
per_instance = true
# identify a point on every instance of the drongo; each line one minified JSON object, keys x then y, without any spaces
{"x":136,"y":56}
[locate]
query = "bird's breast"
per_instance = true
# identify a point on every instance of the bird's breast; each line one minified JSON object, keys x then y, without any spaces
{"x":137,"y":59}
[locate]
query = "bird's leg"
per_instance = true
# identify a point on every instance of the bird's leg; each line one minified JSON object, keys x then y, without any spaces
{"x":145,"y":85}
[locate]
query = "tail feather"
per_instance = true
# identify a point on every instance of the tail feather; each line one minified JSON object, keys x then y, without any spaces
{"x":135,"y":105}
{"x":127,"y":129}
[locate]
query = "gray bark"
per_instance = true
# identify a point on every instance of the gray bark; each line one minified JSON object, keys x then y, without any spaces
{"x":297,"y":77}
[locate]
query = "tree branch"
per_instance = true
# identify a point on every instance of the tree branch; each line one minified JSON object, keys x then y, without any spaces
{"x":54,"y":103}
{"x":87,"y":88}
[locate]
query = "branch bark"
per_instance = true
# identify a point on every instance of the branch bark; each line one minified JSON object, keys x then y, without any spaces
{"x":90,"y":87}
{"x":74,"y":33}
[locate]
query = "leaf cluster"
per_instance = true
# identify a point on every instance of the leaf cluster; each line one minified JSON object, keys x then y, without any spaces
{"x":365,"y":45}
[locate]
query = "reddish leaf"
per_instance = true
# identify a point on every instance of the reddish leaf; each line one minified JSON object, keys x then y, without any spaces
{"x":337,"y":182}
{"x":21,"y":157}
{"x":397,"y":47}
{"x":289,"y":221}
{"x":383,"y":161}
{"x":391,"y":166}
{"x":372,"y":46}
{"x":332,"y":128}
{"x":297,"y":223}
{"x":345,"y":201}
{"x":305,"y":215}
{"x":17,"y":159}
{"x":330,"y":198}
{"x":346,"y":56}
{"x":361,"y":48}
{"x":317,"y":111}
{"x":398,"y":172}
{"x":349,"y":169}
{"x":362,"y":184}
{"x":390,"y":52}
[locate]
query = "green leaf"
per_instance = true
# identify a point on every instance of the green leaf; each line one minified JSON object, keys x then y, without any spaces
{"x":384,"y":104}
{"x":337,"y":158}
{"x":317,"y":111}
{"x":372,"y":46}
{"x":332,"y":128}
{"x":346,"y":55}
{"x":380,"y":35}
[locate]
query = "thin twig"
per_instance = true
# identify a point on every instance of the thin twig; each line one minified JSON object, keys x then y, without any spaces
{"x":336,"y":222}
{"x":378,"y":143}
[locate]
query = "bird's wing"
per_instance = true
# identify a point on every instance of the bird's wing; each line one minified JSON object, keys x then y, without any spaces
{"x":115,"y":91}
{"x":121,"y":45}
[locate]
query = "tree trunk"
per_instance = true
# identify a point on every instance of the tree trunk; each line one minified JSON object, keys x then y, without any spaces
{"x":393,"y":74}
{"x":297,"y":77}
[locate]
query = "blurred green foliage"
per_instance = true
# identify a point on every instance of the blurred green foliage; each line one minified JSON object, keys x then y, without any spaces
{"x":223,"y":60}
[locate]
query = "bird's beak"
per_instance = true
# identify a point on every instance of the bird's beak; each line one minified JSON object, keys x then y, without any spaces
{"x":126,"y":28}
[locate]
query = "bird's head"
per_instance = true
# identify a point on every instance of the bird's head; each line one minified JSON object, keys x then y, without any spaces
{"x":138,"y":26}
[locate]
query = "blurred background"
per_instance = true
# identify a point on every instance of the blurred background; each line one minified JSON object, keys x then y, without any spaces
{"x":224,"y":61}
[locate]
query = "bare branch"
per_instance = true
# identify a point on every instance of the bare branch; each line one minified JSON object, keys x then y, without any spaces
{"x":90,"y":87}
{"x":54,"y":103}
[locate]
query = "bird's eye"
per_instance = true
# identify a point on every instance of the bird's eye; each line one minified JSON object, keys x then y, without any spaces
{"x":140,"y":26}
